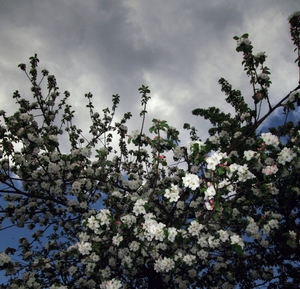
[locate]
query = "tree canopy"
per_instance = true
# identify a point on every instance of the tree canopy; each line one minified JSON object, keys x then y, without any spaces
{"x":216,"y":213}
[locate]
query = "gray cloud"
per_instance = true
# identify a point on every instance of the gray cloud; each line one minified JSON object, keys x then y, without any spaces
{"x":179,"y":48}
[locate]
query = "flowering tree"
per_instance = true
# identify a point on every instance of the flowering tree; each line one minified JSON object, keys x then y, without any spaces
{"x":218,"y":213}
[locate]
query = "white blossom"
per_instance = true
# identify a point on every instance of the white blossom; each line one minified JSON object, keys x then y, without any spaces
{"x":191,"y":181}
{"x":243,"y":40}
{"x":172,"y":193}
{"x":116,"y":240}
{"x":270,"y":139}
{"x":189,"y":259}
{"x":84,"y":248}
{"x":4,"y":258}
{"x":191,"y":146}
{"x":164,"y":264}
{"x":111,"y":284}
{"x":235,"y":239}
{"x":194,"y":228}
{"x":139,"y":208}
{"x":249,"y":154}
{"x":286,"y":155}
{"x":172,"y":233}
{"x":214,"y":160}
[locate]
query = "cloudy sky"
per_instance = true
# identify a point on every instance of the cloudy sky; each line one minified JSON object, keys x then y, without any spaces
{"x":178,"y":48}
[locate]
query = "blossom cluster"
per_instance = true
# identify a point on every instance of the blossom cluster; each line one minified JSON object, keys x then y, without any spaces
{"x":127,"y":217}
{"x":172,"y":193}
{"x":4,"y":258}
{"x":153,"y":237}
{"x":243,"y":41}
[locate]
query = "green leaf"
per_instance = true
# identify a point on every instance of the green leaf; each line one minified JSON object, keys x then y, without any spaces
{"x":238,"y":249}
{"x":217,"y":207}
{"x":220,"y":171}
{"x":290,"y":243}
{"x":186,"y":126}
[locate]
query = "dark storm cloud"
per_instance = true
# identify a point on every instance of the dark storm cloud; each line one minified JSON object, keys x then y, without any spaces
{"x":179,"y":48}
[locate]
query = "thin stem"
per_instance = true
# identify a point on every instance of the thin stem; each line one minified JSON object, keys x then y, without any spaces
{"x":299,"y":64}
{"x":259,"y":122}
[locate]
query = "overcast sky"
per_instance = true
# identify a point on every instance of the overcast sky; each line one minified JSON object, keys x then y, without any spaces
{"x":178,"y":48}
